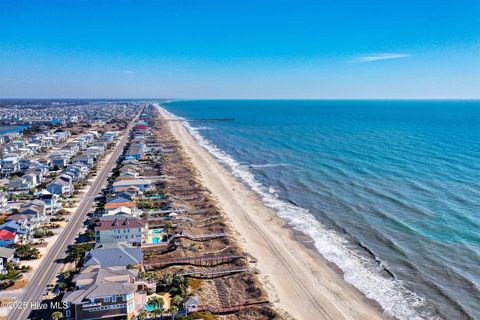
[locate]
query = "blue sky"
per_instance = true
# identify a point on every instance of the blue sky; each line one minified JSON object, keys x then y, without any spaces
{"x":240,"y":49}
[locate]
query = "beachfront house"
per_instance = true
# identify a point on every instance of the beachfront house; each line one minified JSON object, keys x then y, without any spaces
{"x":120,"y":211}
{"x":118,"y":202}
{"x":128,"y":174}
{"x":102,"y":293}
{"x":136,"y":151}
{"x":141,"y":184}
{"x":123,"y":228}
{"x":114,"y":254}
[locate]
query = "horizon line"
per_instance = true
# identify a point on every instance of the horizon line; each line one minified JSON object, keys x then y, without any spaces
{"x":246,"y":99}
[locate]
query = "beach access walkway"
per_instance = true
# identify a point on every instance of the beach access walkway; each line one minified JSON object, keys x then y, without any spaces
{"x":232,"y":308}
{"x":206,"y":260}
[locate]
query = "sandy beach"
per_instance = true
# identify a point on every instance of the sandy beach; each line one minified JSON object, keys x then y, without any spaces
{"x":298,"y":280}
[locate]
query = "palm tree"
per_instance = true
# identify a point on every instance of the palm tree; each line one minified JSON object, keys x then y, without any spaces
{"x":179,"y":285}
{"x":57,"y":315}
{"x":177,"y":300}
{"x":161,"y":309}
{"x":173,"y":311}
{"x":166,"y":281}
{"x":142,"y":315}
{"x":157,"y":304}
{"x":15,"y":275}
{"x":168,"y":227}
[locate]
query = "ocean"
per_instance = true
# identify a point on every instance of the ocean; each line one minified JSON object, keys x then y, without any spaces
{"x":9,"y":128}
{"x":388,"y":190}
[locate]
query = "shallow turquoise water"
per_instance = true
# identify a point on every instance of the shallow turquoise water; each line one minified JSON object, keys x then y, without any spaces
{"x":389,"y":190}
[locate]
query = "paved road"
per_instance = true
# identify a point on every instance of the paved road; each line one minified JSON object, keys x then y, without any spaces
{"x":49,"y":267}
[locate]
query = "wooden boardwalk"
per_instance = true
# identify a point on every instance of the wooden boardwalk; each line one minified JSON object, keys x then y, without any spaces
{"x":206,"y":260}
{"x":232,"y":308}
{"x":214,"y":273}
{"x":168,"y":211}
{"x":200,"y":237}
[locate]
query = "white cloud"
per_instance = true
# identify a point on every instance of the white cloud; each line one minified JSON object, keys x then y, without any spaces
{"x":379,"y":56}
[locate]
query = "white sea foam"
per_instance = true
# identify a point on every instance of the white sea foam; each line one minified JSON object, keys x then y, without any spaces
{"x":359,"y":271}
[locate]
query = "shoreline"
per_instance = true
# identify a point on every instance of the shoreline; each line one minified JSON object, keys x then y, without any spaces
{"x":298,"y":279}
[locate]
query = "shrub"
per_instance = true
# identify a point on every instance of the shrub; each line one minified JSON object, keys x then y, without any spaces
{"x":76,"y":252}
{"x":26,"y":252}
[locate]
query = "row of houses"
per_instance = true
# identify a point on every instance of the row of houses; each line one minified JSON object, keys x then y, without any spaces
{"x":21,"y":223}
{"x":19,"y":227}
{"x":91,"y":146}
{"x":19,"y":151}
{"x":108,"y":284}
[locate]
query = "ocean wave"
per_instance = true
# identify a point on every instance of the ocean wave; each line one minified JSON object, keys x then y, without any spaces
{"x":362,"y":272}
{"x":268,"y":165}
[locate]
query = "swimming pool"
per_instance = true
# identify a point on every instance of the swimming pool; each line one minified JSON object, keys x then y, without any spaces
{"x":149,"y":307}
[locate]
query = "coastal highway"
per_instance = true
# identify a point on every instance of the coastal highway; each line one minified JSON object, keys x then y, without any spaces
{"x":49,"y":267}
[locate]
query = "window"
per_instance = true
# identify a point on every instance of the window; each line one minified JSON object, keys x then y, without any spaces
{"x":92,"y":300}
{"x":67,"y":313}
{"x":114,"y":298}
{"x":106,"y":299}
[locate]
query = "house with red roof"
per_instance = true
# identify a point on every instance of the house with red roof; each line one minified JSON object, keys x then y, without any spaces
{"x":7,"y":238}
